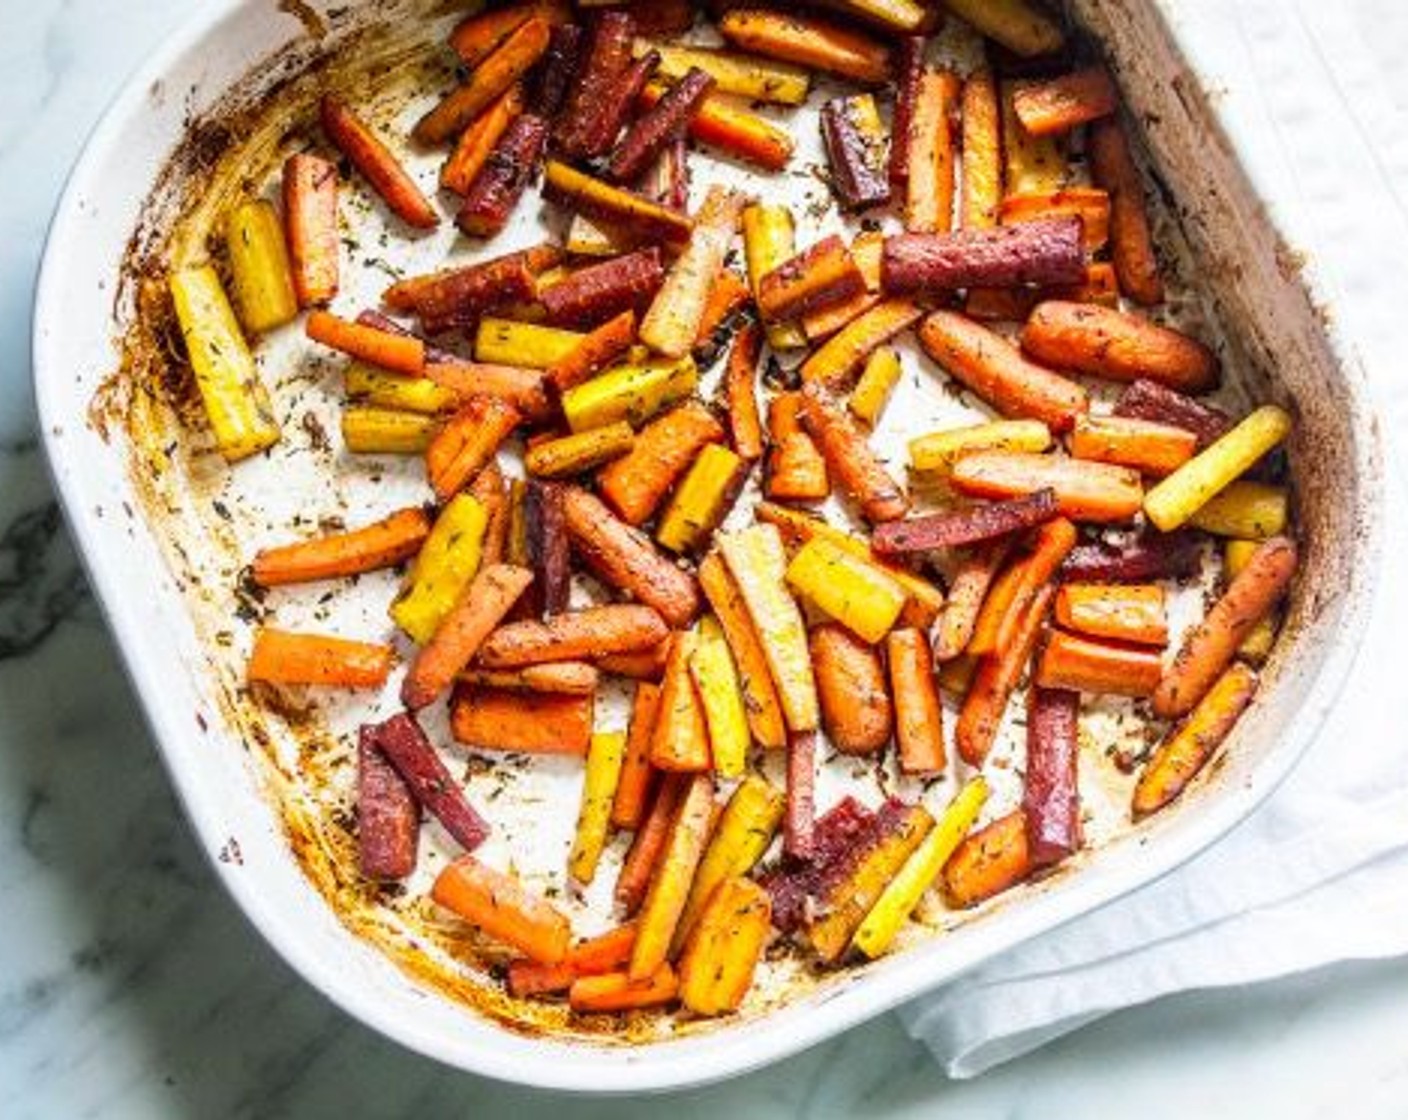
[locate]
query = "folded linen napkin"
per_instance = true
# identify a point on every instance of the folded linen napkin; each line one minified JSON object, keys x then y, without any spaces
{"x":1319,"y":873}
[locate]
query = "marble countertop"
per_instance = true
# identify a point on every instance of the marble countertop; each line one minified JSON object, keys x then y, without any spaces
{"x":131,"y":986}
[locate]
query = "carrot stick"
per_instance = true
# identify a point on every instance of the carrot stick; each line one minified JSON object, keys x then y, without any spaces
{"x":997,"y":606}
{"x":595,"y":352}
{"x":849,"y":458}
{"x":649,"y":842}
{"x":577,"y":678}
{"x":681,"y":737}
{"x":477,"y":141}
{"x":585,"y":127}
{"x":796,"y":470}
{"x":501,"y":906}
{"x":994,"y":683}
{"x":644,"y":665}
{"x":988,"y":862}
{"x":461,"y":633}
{"x":966,"y":593}
{"x":402,"y":741}
{"x":850,"y":682}
{"x":929,"y":202}
{"x":1148,"y":447}
{"x":380,"y":545}
{"x":818,"y":277}
{"x":574,"y":635}
{"x":489,"y":80}
{"x":918,"y":714}
{"x":745,"y":427}
{"x":799,"y":820}
{"x":982,"y":152}
{"x":310,"y":219}
{"x":378,"y":166}
{"x":635,"y":484}
{"x":1131,"y":612}
{"x":1210,"y":646}
{"x":283,"y":657}
{"x":402,"y":353}
{"x":628,"y":808}
{"x":1118,"y":345}
{"x":388,"y":815}
{"x":985,"y":362}
{"x":669,"y":888}
{"x":526,"y":978}
{"x":727,"y":296}
{"x":494,"y":192}
{"x":725,"y":125}
{"x":1053,"y":543}
{"x":616,"y":991}
{"x":909,"y":73}
{"x":1177,"y":760}
{"x":1088,"y":665}
{"x":477,"y":36}
{"x":659,"y":127}
{"x":867,"y":248}
{"x":1064,"y":103}
{"x":837,"y":362}
{"x":531,"y":722}
{"x":817,"y":44}
{"x":1131,"y":242}
{"x":467,"y":442}
{"x":972,"y":525}
{"x":593,"y":956}
{"x":1085,"y":490}
{"x":764,"y":709}
{"x":1090,"y":205}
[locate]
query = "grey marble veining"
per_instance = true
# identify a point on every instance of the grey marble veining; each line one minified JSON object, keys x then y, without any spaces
{"x":131,"y":986}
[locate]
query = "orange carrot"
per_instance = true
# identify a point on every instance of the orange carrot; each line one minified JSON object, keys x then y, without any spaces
{"x":594,"y":956}
{"x":726,"y":297}
{"x":477,"y":36}
{"x":995,"y":609}
{"x":532,"y":722}
{"x":1085,"y":490}
{"x":929,"y":202}
{"x":764,"y":709}
{"x":628,"y":807}
{"x":477,"y":141}
{"x":649,"y":842}
{"x":982,"y":151}
{"x":577,"y":678}
{"x":1015,"y":304}
{"x":992,"y":687}
{"x":669,"y":887}
{"x":988,"y":365}
{"x":817,"y":44}
{"x":836,"y":363}
{"x":1051,"y":545}
{"x":501,"y":906}
{"x":378,"y":166}
{"x":638,"y":481}
{"x":1118,"y":345}
{"x":1211,"y":645}
{"x":918,"y":714}
{"x":867,"y":249}
{"x":379,"y":545}
{"x":735,"y":130}
{"x":850,"y":682}
{"x":587,"y":634}
{"x":489,"y":597}
{"x":467,"y":442}
{"x":1087,"y":665}
{"x":1127,"y":612}
{"x":819,"y":277}
{"x":282,"y":657}
{"x":1148,"y":447}
{"x":526,"y":978}
{"x":988,"y":862}
{"x":796,"y":469}
{"x":1131,"y":242}
{"x":681,"y":737}
{"x":740,"y":376}
{"x":520,"y":387}
{"x":310,"y":220}
{"x":644,"y":665}
{"x":849,"y":458}
{"x":403,"y":353}
{"x":616,"y":991}
{"x":967,"y":592}
{"x":513,"y":58}
{"x":1090,"y":205}
{"x":595,"y":352}
{"x":1064,"y":103}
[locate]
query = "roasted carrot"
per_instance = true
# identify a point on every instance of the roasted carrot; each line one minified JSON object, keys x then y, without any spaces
{"x":605,"y":757}
{"x":796,"y":469}
{"x":616,"y":991}
{"x":918,"y":714}
{"x":598,"y":199}
{"x":996,"y":609}
{"x":477,"y":36}
{"x":625,"y":558}
{"x":740,"y":376}
{"x":681,"y":737}
{"x":1042,"y":251}
{"x":817,"y":44}
{"x":994,"y":683}
{"x":512,"y":720}
{"x":669,"y":887}
{"x":646,"y":665}
{"x":764,"y":712}
{"x":855,"y":151}
{"x":837,"y":362}
{"x":516,"y":386}
{"x":588,"y":122}
{"x":477,"y":141}
{"x":1085,"y":491}
{"x":402,"y":353}
{"x":462,"y":632}
{"x":929,"y":200}
{"x":1177,"y":760}
{"x":799,"y":819}
{"x":592,"y":956}
{"x":510,"y":60}
{"x":989,"y":366}
{"x":649,"y":842}
{"x":1118,"y":345}
{"x":850,"y":683}
{"x":406,"y":746}
{"x":816,"y":278}
{"x":569,"y":455}
{"x":494,"y":192}
{"x":1128,"y":612}
{"x":728,"y":294}
{"x":909,"y":75}
{"x":628,"y":807}
{"x":1152,"y":555}
{"x":260,"y":277}
{"x":1148,"y":447}
{"x":388,"y":815}
{"x":723,"y":949}
{"x":310,"y":218}
{"x":733,"y":129}
{"x":1016,"y":304}
{"x":1051,"y":544}
{"x":501,"y":906}
{"x":988,"y":862}
{"x":967,"y":591}
{"x":596,"y":352}
{"x":982,"y":151}
{"x":589,"y":296}
{"x":283,"y":657}
{"x":867,"y":249}
{"x":1090,"y":205}
{"x":577,"y":678}
{"x":581,"y":634}
{"x":1080,"y":664}
{"x":1024,"y":28}
{"x":635,"y":484}
{"x":1210,"y":646}
{"x":660,"y":126}
{"x":369,"y":155}
{"x":849,"y":458}
{"x":557,"y":70}
{"x":380,"y":545}
{"x":972,"y":525}
{"x":1131,"y":242}
{"x":1067,"y":102}
{"x":467,"y":442}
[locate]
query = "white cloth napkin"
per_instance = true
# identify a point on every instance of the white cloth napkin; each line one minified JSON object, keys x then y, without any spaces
{"x":1319,"y":873}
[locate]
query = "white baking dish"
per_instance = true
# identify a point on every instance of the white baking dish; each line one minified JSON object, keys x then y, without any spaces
{"x":1275,"y":325}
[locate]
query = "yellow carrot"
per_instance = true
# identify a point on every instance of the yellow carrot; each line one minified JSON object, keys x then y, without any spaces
{"x":604,"y":759}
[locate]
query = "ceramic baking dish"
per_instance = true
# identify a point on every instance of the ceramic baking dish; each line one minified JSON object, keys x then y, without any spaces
{"x":113,"y":202}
